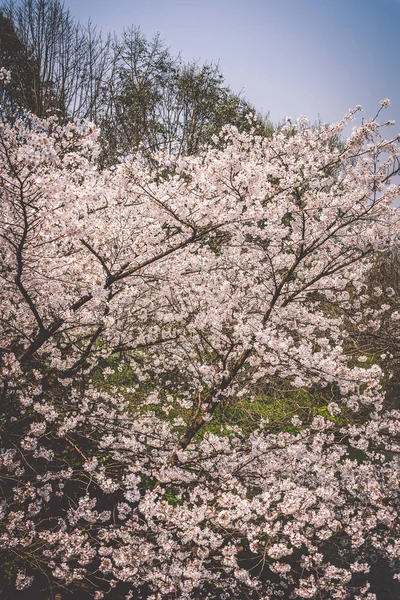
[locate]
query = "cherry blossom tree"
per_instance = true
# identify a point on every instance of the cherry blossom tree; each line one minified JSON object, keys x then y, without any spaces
{"x":140,"y":304}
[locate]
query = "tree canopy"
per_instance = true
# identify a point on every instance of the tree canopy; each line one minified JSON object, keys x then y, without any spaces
{"x":134,"y":89}
{"x":141,"y":305}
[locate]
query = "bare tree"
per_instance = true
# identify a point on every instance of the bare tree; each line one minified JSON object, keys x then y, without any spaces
{"x":64,"y":62}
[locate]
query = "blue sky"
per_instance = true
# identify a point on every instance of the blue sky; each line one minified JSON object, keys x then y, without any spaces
{"x":289,"y":57}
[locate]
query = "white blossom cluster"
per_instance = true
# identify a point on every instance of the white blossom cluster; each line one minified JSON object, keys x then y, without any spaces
{"x":136,"y":306}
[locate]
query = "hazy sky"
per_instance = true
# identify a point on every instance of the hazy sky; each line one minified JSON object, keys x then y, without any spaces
{"x":289,"y":57}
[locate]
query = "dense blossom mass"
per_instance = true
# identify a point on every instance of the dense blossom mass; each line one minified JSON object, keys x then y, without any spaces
{"x":138,"y":304}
